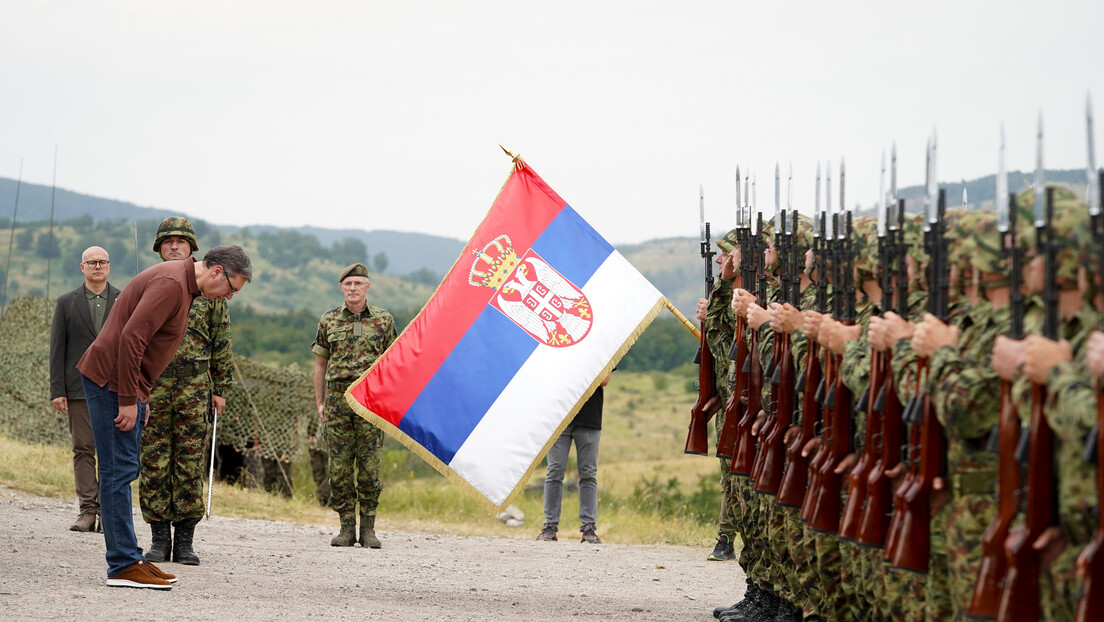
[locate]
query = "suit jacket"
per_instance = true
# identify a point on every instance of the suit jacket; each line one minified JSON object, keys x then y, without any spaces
{"x":71,"y":332}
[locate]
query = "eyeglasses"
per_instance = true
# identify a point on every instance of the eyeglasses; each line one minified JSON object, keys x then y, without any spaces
{"x":233,"y":290}
{"x":96,"y":263}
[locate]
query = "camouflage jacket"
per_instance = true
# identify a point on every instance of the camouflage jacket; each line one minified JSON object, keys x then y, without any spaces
{"x":207,"y":339}
{"x":720,"y":327}
{"x":351,"y":342}
{"x":966,"y":390}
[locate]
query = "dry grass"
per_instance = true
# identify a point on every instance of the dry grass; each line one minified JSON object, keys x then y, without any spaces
{"x":644,"y":430}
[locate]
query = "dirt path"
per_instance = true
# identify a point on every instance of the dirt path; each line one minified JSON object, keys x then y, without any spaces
{"x":263,"y":570}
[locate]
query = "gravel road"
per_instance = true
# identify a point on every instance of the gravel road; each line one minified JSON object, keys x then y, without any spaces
{"x":267,"y":570}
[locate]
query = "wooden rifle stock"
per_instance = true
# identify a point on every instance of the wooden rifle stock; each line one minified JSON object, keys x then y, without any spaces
{"x":795,"y":481}
{"x":1091,"y":561}
{"x":912,"y":458}
{"x":857,"y":490}
{"x":816,"y":464}
{"x":985,"y":602}
{"x":744,"y":461}
{"x":697,"y":437}
{"x":726,"y":441}
{"x":825,"y":516}
{"x":1020,"y":596}
{"x":914,"y":546}
{"x":769,"y":411}
{"x":879,"y":502}
{"x":774,"y":446}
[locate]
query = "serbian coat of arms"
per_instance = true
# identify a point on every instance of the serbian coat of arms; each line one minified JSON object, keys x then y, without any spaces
{"x":532,"y":293}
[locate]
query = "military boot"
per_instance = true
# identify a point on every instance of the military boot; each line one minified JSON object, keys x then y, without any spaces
{"x":162,"y":540}
{"x":787,"y":612}
{"x":368,"y":537}
{"x":348,"y":534}
{"x":182,"y":552}
{"x":750,"y":594}
{"x":761,"y":607}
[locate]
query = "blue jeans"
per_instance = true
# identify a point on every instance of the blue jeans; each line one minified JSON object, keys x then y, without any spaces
{"x":118,"y":456}
{"x":586,"y":454}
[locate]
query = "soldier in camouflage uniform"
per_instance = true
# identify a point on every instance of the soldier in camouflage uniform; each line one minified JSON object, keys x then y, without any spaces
{"x":1060,"y":367}
{"x":717,"y":318}
{"x":350,"y":338}
{"x":170,"y":485}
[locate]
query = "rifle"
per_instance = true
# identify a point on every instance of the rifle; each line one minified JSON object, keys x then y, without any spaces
{"x":752,"y":370}
{"x":874,"y":524}
{"x":792,"y":491}
{"x":1021,"y":591}
{"x":827,"y":228}
{"x":825,"y":514}
{"x":737,"y":353}
{"x":912,"y":545}
{"x":697,"y":437}
{"x":985,"y":601}
{"x":857,"y":485}
{"x":1091,"y":561}
{"x":773,"y":448}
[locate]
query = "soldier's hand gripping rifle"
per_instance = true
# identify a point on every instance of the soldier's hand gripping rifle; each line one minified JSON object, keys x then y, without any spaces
{"x":1091,"y":561}
{"x":783,"y":382}
{"x":697,"y":437}
{"x":1021,"y":590}
{"x":912,"y":549}
{"x":825,"y":514}
{"x":985,"y":602}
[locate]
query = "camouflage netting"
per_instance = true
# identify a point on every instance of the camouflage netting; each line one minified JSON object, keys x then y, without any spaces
{"x":267,"y":411}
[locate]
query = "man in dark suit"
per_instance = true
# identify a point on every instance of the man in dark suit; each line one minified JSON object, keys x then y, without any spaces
{"x":77,"y":320}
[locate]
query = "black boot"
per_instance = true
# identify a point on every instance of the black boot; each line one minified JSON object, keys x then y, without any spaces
{"x":749,"y":594}
{"x":787,"y":612}
{"x":182,"y":543}
{"x":751,"y":607}
{"x":162,"y":539}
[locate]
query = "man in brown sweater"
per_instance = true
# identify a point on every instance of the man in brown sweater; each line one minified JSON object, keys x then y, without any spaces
{"x":135,"y":345}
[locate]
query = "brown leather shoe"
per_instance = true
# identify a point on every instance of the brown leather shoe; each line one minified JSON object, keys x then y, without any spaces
{"x":138,"y":575}
{"x":157,"y":572}
{"x":85,"y":522}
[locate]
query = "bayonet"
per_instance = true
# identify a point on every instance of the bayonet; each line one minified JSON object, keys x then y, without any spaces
{"x":965,"y":203}
{"x":842,"y":203}
{"x":885,"y":200}
{"x":1092,"y":190}
{"x":739,"y":220}
{"x":1040,"y":178}
{"x":777,"y":199}
{"x":701,"y":208}
{"x":1002,"y":188}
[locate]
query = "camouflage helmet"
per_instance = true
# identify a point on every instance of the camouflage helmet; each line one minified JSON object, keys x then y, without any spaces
{"x":728,"y":242}
{"x":804,"y":231}
{"x":914,"y":241}
{"x":864,"y":242}
{"x":178,"y":226}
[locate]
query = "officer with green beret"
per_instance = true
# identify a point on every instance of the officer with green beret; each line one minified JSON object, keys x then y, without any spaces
{"x":170,"y":484}
{"x":350,"y":338}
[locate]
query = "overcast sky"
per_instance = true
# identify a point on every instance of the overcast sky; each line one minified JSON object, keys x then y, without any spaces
{"x":388,"y":115}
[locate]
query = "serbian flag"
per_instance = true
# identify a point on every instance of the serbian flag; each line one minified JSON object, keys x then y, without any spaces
{"x":523,"y":328}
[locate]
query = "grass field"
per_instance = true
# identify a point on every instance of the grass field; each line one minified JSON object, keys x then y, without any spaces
{"x":649,"y":490}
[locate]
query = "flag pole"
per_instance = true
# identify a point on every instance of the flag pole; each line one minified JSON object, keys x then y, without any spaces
{"x":682,"y":318}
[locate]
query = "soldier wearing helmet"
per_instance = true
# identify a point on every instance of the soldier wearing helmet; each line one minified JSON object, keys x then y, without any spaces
{"x":196,"y":381}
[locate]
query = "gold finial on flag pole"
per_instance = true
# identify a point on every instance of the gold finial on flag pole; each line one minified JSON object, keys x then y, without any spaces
{"x":518,"y":162}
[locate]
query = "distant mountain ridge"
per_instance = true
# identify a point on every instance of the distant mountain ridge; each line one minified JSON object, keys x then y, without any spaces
{"x":673,"y":265}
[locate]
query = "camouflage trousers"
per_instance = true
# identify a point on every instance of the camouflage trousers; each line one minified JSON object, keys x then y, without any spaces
{"x":829,"y":571}
{"x":170,"y":484}
{"x":752,"y":555}
{"x":800,"y":567}
{"x":938,"y":603}
{"x":968,"y":517}
{"x":320,"y":459}
{"x":781,"y":570}
{"x":355,"y":448}
{"x":726,"y":522}
{"x":1060,"y":586}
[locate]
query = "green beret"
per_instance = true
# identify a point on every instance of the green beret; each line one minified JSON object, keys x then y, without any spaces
{"x":356,"y":269}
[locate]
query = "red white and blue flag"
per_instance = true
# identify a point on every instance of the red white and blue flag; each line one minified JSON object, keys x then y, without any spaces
{"x":523,"y":328}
